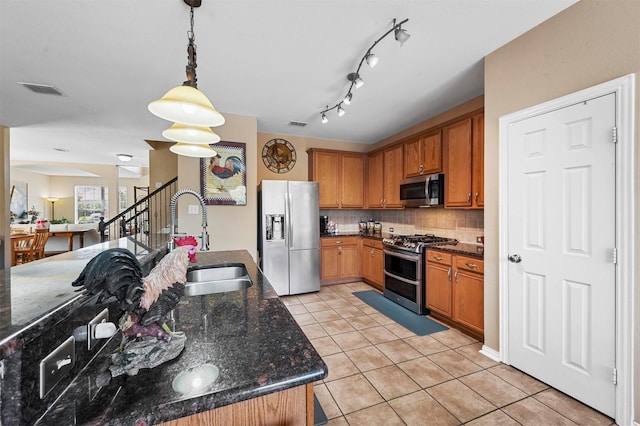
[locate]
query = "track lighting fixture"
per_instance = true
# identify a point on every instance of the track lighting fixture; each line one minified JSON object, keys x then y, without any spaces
{"x":355,"y":79}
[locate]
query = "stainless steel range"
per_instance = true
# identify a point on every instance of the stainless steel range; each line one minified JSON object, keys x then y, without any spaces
{"x":404,"y":268}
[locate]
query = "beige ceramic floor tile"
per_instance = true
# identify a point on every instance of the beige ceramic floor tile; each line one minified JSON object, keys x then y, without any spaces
{"x":351,"y":340}
{"x":297,"y":309}
{"x":316,"y":306}
{"x":457,"y":365}
{"x":378,"y":334}
{"x":494,"y":418}
{"x":339,"y":366}
{"x":453,"y":338}
{"x":572,"y":409}
{"x":381,"y":414}
{"x":398,"y":351}
{"x":424,"y":372}
{"x":359,"y":286}
{"x":382,"y":319}
{"x":353,"y":393}
{"x":426,"y":345}
{"x":304,"y":319}
{"x":349,"y":312}
{"x":399,"y":330}
{"x":339,"y":302}
{"x":313,"y":331}
{"x":472,"y":352}
{"x":326,"y":316}
{"x":362,"y":322}
{"x":493,"y":388}
{"x":522,"y":381}
{"x":337,"y":327}
{"x":460,"y":401}
{"x":325,"y":346}
{"x":368,"y":358}
{"x":290,"y":300}
{"x":309,"y":298}
{"x":532,"y":412}
{"x":391,"y":382}
{"x":420,"y":409}
{"x":327,"y":402}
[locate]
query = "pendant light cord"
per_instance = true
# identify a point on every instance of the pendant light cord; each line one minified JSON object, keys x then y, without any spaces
{"x":192,"y":79}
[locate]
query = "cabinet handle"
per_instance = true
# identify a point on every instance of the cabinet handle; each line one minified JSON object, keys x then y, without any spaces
{"x":339,"y":242}
{"x":476,"y":198}
{"x":372,"y":252}
{"x":471,"y":265}
{"x":421,"y":169}
{"x":437,"y":257}
{"x":339,"y":250}
{"x":456,"y":277}
{"x":469,"y":197}
{"x":384,"y":202}
{"x":381,"y":202}
{"x":449,"y":274}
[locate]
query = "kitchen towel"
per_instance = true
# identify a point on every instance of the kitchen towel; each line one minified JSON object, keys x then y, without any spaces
{"x":418,"y":324}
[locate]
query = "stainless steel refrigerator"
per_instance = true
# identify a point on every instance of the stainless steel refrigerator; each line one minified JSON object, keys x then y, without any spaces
{"x":289,"y":242}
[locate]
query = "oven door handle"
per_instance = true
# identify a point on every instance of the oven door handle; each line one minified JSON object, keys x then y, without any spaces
{"x":413,"y":258}
{"x":416,"y":283}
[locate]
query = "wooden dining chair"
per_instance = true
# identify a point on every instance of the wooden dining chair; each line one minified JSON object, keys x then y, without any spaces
{"x":32,"y":249}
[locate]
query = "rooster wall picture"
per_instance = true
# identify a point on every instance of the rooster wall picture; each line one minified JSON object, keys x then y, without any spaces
{"x":146,"y":302}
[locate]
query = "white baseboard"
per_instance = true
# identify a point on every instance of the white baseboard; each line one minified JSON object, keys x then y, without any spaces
{"x":494,"y":355}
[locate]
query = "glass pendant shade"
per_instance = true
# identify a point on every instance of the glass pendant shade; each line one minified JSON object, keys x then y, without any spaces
{"x":187,"y":105}
{"x":179,"y":132}
{"x":193,"y":150}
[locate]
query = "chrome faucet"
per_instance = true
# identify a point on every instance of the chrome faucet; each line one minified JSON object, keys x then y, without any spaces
{"x":172,"y":205}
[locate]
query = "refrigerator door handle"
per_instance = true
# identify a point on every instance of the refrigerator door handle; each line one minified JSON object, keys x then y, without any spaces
{"x":287,"y":219}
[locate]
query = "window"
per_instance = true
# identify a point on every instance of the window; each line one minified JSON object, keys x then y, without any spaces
{"x":122,"y":199}
{"x":92,"y":202}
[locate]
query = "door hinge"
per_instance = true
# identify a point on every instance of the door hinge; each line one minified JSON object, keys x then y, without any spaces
{"x":615,"y":376}
{"x":614,"y":256}
{"x":614,"y":135}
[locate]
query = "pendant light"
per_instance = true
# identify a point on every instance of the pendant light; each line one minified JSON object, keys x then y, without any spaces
{"x":191,"y":134}
{"x":186,"y":105}
{"x":193,"y":150}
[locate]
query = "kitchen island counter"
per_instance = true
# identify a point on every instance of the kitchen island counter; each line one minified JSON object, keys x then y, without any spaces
{"x":248,"y":335}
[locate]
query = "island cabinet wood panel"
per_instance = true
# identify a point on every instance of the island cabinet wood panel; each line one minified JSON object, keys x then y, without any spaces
{"x":463,"y":157}
{"x":292,"y":406}
{"x":340,"y":176}
{"x":339,"y":260}
{"x":438,"y":276}
{"x":423,"y":154}
{"x":372,"y":262}
{"x":386,"y":171}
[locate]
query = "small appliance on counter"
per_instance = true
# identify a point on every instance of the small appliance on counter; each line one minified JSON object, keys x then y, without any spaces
{"x":324,"y":221}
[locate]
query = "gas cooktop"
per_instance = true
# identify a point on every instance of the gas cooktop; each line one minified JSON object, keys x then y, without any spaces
{"x":415,"y":243}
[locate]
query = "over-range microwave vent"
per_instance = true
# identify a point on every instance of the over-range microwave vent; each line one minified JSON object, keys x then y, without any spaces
{"x":297,"y":123}
{"x":43,"y":89}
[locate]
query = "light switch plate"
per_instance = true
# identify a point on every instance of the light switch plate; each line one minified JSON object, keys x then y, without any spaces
{"x":56,"y":365}
{"x":101,"y":317}
{"x":193,"y":209}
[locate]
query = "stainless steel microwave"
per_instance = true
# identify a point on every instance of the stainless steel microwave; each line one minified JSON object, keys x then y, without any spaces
{"x":423,"y":191}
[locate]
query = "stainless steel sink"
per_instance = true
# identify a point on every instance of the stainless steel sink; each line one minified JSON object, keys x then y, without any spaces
{"x":211,"y":279}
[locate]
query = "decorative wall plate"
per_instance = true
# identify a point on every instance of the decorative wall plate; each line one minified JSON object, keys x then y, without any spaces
{"x":279,"y":155}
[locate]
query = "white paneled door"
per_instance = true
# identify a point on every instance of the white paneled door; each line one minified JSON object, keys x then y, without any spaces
{"x":561,"y":245}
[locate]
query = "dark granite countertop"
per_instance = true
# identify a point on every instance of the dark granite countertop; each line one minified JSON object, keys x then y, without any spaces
{"x":248,"y":334}
{"x":372,"y":235}
{"x":467,"y":249}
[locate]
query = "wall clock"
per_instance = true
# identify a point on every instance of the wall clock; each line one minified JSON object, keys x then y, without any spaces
{"x":279,"y":155}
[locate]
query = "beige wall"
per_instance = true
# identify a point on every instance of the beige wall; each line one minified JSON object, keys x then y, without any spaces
{"x":589,"y":43}
{"x":4,"y":196}
{"x":301,"y":144}
{"x":163,"y":164}
{"x":230,"y":227}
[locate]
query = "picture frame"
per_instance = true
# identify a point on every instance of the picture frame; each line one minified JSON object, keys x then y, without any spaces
{"x":223,"y":177}
{"x":19,"y":203}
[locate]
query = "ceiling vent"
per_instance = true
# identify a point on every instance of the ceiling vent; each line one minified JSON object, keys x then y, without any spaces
{"x":297,"y":123}
{"x":43,"y":89}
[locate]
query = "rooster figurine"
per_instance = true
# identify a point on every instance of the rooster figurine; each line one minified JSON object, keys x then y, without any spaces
{"x":146,"y":301}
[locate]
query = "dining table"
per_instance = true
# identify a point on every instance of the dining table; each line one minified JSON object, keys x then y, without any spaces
{"x":19,"y":240}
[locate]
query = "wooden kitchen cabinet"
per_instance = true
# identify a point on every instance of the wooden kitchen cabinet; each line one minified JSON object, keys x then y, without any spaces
{"x":468,"y":293}
{"x":339,"y":260}
{"x":463,"y":157}
{"x":423,"y":155}
{"x":438,"y":277}
{"x":455,"y":290}
{"x":340,"y":176}
{"x":372,"y":262}
{"x":386,"y":171}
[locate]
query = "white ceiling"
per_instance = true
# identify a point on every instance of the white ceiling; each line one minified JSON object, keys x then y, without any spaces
{"x":277,"y":60}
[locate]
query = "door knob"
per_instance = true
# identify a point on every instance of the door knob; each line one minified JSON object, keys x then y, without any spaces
{"x":515,"y":258}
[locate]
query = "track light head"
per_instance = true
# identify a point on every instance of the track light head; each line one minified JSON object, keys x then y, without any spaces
{"x":372,"y":60}
{"x":347,"y":99}
{"x":355,"y":78}
{"x":400,"y":34}
{"x":341,"y":111}
{"x":324,"y":118}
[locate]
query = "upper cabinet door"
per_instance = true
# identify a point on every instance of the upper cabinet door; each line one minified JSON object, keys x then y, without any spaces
{"x":413,"y":157}
{"x":432,"y":153}
{"x":375,"y":191}
{"x":457,"y":164}
{"x":325,"y":172}
{"x":340,"y":176}
{"x":352,"y":181}
{"x":478,"y":161}
{"x":393,"y":175}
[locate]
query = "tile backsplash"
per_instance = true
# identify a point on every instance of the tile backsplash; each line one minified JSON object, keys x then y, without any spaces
{"x":463,"y":225}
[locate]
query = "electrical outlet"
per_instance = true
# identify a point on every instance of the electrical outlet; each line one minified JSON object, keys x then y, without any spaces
{"x":56,"y":365}
{"x":479,"y":240}
{"x":101,"y":317}
{"x":193,"y":209}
